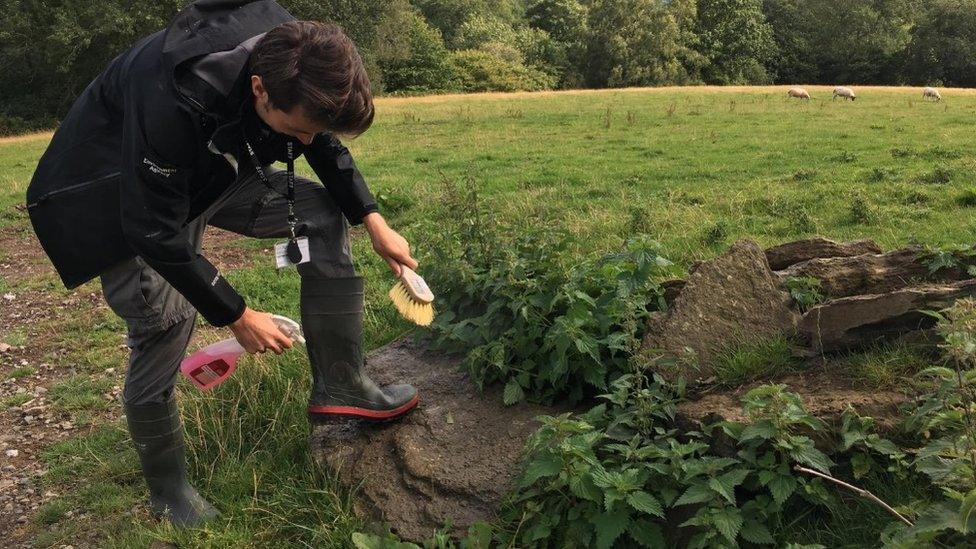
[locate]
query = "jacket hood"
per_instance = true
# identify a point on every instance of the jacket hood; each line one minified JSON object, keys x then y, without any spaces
{"x":208,"y":43}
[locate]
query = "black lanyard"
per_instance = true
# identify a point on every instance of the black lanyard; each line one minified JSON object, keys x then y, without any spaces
{"x":293,"y":251}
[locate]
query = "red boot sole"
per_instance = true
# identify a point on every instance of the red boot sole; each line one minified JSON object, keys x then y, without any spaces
{"x":364,"y":413}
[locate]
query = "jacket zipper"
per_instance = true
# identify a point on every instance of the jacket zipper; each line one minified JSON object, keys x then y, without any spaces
{"x":73,"y":187}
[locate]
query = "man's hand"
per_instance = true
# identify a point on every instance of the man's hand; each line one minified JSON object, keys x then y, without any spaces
{"x":388,"y":244}
{"x":257,"y":333}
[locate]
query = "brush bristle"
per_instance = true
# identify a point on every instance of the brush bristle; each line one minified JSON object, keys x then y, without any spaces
{"x":421,"y":314}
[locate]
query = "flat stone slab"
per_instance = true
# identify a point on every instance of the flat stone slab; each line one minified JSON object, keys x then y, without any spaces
{"x":852,"y":322}
{"x":732,"y":299}
{"x":452,"y":459}
{"x":791,"y":253}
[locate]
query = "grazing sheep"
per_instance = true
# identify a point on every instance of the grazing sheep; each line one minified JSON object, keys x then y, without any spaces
{"x":844,"y":93}
{"x":931,"y":93}
{"x":798,"y":93}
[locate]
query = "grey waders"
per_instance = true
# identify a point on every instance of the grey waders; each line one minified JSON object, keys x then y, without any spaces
{"x":332,"y":321}
{"x":158,"y":437}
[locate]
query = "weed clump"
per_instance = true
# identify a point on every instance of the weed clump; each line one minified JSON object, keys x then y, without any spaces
{"x":940,"y":175}
{"x":967,"y":199}
{"x":845,"y":157}
{"x":716,"y":234}
{"x":394,"y":201}
{"x":805,"y":175}
{"x":880,"y":175}
{"x":754,"y":360}
{"x":800,"y":222}
{"x":860,"y":210}
{"x":915,"y":197}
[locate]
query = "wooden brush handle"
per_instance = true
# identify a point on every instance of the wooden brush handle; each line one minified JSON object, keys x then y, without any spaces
{"x":415,"y":285}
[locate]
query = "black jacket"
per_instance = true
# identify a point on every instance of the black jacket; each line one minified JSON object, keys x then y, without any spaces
{"x":141,"y":154}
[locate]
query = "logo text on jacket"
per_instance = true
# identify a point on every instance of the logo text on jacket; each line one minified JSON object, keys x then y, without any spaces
{"x":157,"y":169}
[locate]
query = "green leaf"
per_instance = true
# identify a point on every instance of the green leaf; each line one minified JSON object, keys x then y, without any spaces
{"x":782,"y":487}
{"x":370,"y":541}
{"x":645,"y":503}
{"x":805,"y":453}
{"x":761,"y":429}
{"x":479,"y":536}
{"x":724,"y":491}
{"x":967,"y":511}
{"x":756,"y":532}
{"x":725,"y":484}
{"x":537,"y":532}
{"x":513,"y":393}
{"x":647,"y":534}
{"x":697,"y":493}
{"x":545,"y":466}
{"x":860,"y":465}
{"x":728,"y":521}
{"x":609,"y":526}
{"x":582,"y":487}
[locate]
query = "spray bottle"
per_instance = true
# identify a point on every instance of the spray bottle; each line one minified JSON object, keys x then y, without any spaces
{"x":213,"y":364}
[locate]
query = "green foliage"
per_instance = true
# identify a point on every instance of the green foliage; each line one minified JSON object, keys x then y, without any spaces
{"x":945,"y":420}
{"x":618,"y":473}
{"x":943,"y":45}
{"x":736,"y":40}
{"x":52,"y":50}
{"x":805,"y":291}
{"x":528,"y":321}
{"x":957,"y":257}
{"x":527,"y":316}
{"x":754,"y":360}
{"x":819,"y":43}
{"x":479,"y":70}
{"x":636,"y":43}
{"x":411,"y":55}
{"x":409,"y":45}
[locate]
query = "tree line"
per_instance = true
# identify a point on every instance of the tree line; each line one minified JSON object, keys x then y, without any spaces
{"x":51,"y":49}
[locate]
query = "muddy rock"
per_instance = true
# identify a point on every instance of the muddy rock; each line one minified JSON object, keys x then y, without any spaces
{"x":732,"y":299}
{"x":871,"y":273}
{"x":791,"y":253}
{"x":825,"y":395}
{"x":856,"y":321}
{"x":451,"y":460}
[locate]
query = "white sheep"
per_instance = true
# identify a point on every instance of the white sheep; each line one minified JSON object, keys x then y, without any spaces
{"x":798,"y":93}
{"x":844,"y":93}
{"x":932,"y":93}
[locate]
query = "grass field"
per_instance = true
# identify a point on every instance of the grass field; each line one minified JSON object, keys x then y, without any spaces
{"x":696,"y":168}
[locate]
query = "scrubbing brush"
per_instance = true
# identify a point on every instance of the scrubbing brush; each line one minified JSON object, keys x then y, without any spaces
{"x":413,"y":298}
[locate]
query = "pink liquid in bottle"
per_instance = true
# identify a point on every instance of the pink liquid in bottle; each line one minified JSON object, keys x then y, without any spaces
{"x":211,"y":365}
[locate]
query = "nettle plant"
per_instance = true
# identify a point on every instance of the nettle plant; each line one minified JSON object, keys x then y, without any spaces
{"x":523,"y":316}
{"x":945,"y":420}
{"x":806,"y":291}
{"x":623,"y":473}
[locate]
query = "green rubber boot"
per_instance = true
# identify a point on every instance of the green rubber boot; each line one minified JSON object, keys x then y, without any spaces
{"x":157,"y":433}
{"x":332,"y":321}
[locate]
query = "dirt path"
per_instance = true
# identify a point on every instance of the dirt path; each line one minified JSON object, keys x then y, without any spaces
{"x":26,"y":137}
{"x":33,"y":312}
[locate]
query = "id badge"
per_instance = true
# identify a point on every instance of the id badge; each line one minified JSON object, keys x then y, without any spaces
{"x":282,"y":256}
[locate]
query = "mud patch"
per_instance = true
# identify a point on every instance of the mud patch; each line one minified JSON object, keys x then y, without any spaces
{"x":451,"y":460}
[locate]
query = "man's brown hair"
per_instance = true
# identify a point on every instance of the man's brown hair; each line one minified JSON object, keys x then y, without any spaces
{"x":317,"y":66}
